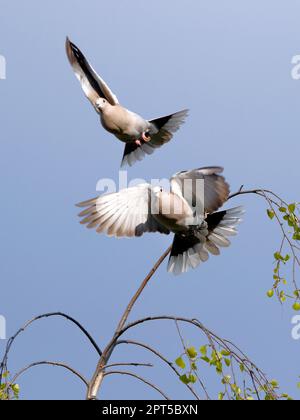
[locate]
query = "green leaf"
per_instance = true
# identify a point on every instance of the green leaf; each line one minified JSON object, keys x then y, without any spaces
{"x":228,"y":362}
{"x":203,"y":351}
{"x":298,"y":385}
{"x":192,"y":352}
{"x":226,"y":379}
{"x":274,"y":383}
{"x":192,"y":378}
{"x":292,"y":208}
{"x":270,"y":293}
{"x":194,"y":366}
{"x":282,"y":296}
{"x":221,"y":396}
{"x":219,"y":367}
{"x":236,"y":389}
{"x":242,"y":367}
{"x":225,"y":353}
{"x":296,"y":306}
{"x":184,"y":379}
{"x":291,"y":221}
{"x":271,"y":214}
{"x":180,"y":362}
{"x":282,"y":209}
{"x":16,"y":390}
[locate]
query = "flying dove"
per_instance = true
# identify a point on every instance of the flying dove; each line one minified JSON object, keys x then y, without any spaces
{"x":188,"y":209}
{"x":141,"y":136}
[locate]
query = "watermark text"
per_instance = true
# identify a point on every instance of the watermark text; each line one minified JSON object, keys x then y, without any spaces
{"x":2,"y":328}
{"x":296,"y":328}
{"x":164,"y":196}
{"x":296,"y":67}
{"x":2,"y":67}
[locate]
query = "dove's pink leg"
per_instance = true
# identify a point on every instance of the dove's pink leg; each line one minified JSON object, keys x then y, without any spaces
{"x":145,"y":137}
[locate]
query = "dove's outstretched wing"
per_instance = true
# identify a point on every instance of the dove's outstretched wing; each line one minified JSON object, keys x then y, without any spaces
{"x":126,"y":213}
{"x":92,"y":84}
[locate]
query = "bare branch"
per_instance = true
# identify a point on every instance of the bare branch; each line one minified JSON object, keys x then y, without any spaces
{"x":63,"y":365}
{"x":141,"y":288}
{"x":239,"y":356}
{"x":161,"y":357}
{"x":258,"y":191}
{"x":129,"y":364}
{"x":98,"y":376}
{"x":39,"y":317}
{"x":139,"y":378}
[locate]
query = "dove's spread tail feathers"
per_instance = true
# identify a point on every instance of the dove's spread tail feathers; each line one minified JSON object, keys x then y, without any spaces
{"x":190,"y":249}
{"x":161,"y":132}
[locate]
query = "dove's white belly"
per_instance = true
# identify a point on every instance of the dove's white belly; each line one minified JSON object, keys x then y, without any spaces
{"x":124,"y":124}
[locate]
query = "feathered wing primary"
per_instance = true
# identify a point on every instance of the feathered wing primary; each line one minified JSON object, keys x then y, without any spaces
{"x":92,"y":84}
{"x":204,"y":188}
{"x":123,"y":214}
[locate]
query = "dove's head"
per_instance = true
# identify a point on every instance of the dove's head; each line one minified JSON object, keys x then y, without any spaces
{"x":157,"y":190}
{"x":101,"y":104}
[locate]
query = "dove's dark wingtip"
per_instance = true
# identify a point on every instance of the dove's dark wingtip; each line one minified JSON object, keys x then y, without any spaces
{"x":69,"y":49}
{"x":68,"y":41}
{"x":70,"y":46}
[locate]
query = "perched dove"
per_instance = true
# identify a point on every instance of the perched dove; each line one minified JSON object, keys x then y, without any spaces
{"x":141,"y":136}
{"x":188,"y":210}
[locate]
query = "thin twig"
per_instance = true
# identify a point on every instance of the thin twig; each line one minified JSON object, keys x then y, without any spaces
{"x":139,"y":378}
{"x":257,"y":191}
{"x":3,"y":365}
{"x":129,"y":364}
{"x":161,"y":357}
{"x":186,"y":352}
{"x":261,"y":380}
{"x":49,"y":363}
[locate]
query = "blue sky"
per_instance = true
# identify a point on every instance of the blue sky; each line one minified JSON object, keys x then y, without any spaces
{"x":230,"y":63}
